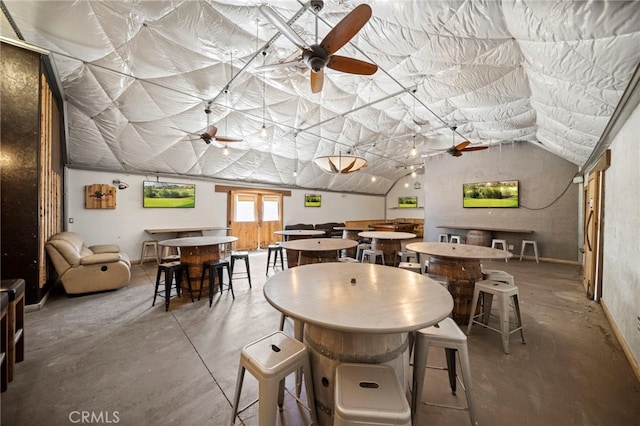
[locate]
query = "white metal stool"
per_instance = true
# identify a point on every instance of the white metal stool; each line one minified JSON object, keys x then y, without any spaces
{"x":411,"y":266}
{"x":502,"y":243}
{"x":369,"y":394}
{"x":270,"y":360}
{"x":504,"y":293}
{"x":443,"y":238}
{"x":408,"y":256}
{"x":457,"y":239}
{"x":361,"y":247}
{"x":145,"y":246}
{"x":447,"y":335}
{"x":534,"y":244}
{"x":372,"y":256}
{"x":498,"y":275}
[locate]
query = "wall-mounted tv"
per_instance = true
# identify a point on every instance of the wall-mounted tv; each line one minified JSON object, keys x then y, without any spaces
{"x":312,"y":200}
{"x":408,"y":202}
{"x":496,"y":194}
{"x":168,"y":194}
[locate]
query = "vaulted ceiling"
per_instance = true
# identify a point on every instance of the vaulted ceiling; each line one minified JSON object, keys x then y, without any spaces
{"x":137,"y":77}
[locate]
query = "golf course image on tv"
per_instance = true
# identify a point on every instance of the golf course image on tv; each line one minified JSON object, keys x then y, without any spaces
{"x":494,"y":194}
{"x":169,"y":194}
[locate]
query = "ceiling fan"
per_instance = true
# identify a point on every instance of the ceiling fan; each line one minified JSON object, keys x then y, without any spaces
{"x":210,"y":135}
{"x":319,"y":55}
{"x":457,"y":150}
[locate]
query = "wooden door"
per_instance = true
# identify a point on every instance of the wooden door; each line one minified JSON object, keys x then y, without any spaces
{"x":253,"y":218}
{"x":591,"y":234}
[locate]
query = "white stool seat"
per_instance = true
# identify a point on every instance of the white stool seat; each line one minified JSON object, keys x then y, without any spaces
{"x":372,"y":255}
{"x":533,"y":244}
{"x":145,"y":246}
{"x":270,"y":360}
{"x":347,"y":260}
{"x":503,"y":246}
{"x":360,"y":248}
{"x":407,"y":256}
{"x":447,"y":335}
{"x":369,"y":394}
{"x":498,"y":275}
{"x":457,"y":239}
{"x":504,"y":293}
{"x":443,"y":238}
{"x":410,"y":266}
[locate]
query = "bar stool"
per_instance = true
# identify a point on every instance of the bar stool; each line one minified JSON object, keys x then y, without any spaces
{"x":4,"y":342}
{"x":408,"y":256}
{"x":360,"y":248}
{"x":14,"y":289}
{"x":147,"y":245}
{"x":504,"y":293}
{"x":503,"y":243}
{"x":171,"y":270}
{"x":411,"y":266}
{"x":498,"y":275}
{"x":369,"y":394}
{"x":446,"y":334}
{"x":241,"y":255}
{"x":372,"y":256}
{"x":456,"y":239}
{"x":276,"y":249}
{"x":170,"y":254}
{"x":270,"y":360}
{"x":533,"y":244}
{"x":216,"y":268}
{"x":443,"y":238}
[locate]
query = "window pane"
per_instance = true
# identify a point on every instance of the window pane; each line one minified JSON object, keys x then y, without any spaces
{"x":270,"y":209}
{"x":245,"y":209}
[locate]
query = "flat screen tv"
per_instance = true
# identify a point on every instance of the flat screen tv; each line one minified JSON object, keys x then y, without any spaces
{"x":408,"y":202}
{"x":168,"y":194}
{"x":312,"y":200}
{"x":495,"y":194}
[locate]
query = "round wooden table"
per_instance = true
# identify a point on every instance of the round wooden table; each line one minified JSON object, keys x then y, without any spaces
{"x":351,"y":233}
{"x":318,"y":250}
{"x":355,"y":312}
{"x":297,"y":234}
{"x":459,"y":264}
{"x":389,"y":242}
{"x":194,"y":251}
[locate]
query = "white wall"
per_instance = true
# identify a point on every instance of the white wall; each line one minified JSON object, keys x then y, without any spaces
{"x":621,"y":234}
{"x":405,"y":187}
{"x":125,"y":224}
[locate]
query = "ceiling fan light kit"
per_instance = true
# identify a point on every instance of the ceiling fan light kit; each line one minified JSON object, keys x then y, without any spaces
{"x":340,"y":164}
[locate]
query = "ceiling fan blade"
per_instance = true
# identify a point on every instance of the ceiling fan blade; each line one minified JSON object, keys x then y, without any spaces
{"x":351,"y":65}
{"x":346,"y":29}
{"x":184,"y":131}
{"x":228,"y":139}
{"x":283,"y":27}
{"x":462,"y":145}
{"x":474,"y":148}
{"x":317,"y":80}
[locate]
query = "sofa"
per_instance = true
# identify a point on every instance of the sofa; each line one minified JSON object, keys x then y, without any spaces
{"x":87,"y":269}
{"x":329,"y":232}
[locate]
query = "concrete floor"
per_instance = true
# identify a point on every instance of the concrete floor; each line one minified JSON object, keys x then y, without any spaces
{"x":115,"y":357}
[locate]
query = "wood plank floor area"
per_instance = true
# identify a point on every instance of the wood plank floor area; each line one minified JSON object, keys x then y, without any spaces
{"x":114,"y":358}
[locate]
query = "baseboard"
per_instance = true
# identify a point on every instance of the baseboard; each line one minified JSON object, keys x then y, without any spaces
{"x":627,"y":351}
{"x":516,"y":257}
{"x":37,"y":306}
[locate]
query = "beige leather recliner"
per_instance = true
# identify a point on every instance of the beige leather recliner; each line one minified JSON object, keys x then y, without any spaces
{"x":85,"y":269}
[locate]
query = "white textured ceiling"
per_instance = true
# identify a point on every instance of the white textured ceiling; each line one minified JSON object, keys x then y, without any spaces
{"x":543,"y":72}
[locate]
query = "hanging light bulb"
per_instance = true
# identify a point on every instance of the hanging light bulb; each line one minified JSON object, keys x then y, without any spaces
{"x":295,"y":173}
{"x":373,"y":178}
{"x":264,"y":133}
{"x":413,"y":149}
{"x":413,"y":174}
{"x":406,"y":184}
{"x":225,"y":151}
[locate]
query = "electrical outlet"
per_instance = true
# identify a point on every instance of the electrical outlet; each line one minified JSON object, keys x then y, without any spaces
{"x":70,"y":220}
{"x":510,"y":247}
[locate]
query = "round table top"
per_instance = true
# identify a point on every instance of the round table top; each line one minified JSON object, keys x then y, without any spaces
{"x":319,"y":244}
{"x":359,"y":297}
{"x":458,"y":251}
{"x":299,"y":232}
{"x":198,"y":241}
{"x":387,"y":235}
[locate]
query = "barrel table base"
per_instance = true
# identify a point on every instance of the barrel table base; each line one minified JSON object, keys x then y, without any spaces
{"x":390,"y":249}
{"x":195,"y":257}
{"x":329,"y":348}
{"x":461,"y":275}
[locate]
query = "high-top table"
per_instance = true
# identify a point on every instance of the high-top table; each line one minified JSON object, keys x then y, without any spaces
{"x":194,"y":251}
{"x":355,"y":312}
{"x":318,"y":250}
{"x":459,"y":265}
{"x":296,"y":234}
{"x":389,"y":242}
